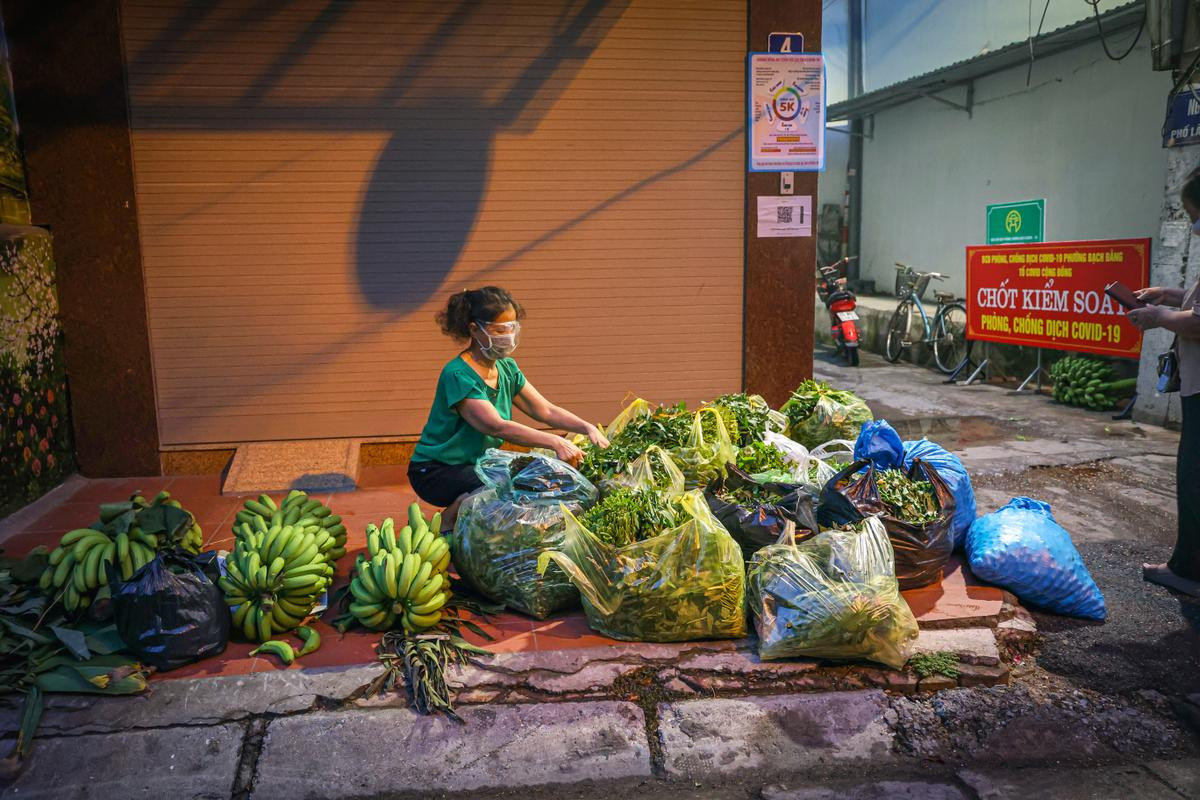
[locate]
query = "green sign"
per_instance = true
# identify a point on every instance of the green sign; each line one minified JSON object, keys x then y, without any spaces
{"x":1015,"y":223}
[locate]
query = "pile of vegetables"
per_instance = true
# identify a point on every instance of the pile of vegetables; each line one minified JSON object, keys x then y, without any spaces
{"x":818,"y":413}
{"x":750,"y":494}
{"x":760,"y":457}
{"x":910,"y":500}
{"x":746,"y":416}
{"x":626,"y":516}
{"x":1088,"y":382}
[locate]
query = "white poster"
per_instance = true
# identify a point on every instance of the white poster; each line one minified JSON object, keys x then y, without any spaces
{"x":785,"y":216}
{"x":787,"y":112}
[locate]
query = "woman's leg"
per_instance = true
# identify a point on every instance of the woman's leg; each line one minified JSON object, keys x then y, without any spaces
{"x":1185,"y":562}
{"x":1182,"y":572}
{"x":443,"y":485}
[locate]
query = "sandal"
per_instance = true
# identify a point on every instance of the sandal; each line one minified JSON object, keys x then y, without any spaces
{"x":1163,"y":576}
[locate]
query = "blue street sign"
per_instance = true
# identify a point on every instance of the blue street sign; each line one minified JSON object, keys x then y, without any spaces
{"x":1183,"y":120}
{"x":785,"y":43}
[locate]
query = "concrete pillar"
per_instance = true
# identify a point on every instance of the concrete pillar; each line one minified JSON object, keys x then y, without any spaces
{"x":1171,"y":265}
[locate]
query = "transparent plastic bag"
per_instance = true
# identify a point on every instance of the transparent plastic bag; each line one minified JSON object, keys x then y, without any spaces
{"x":817,"y":413}
{"x":534,"y":477}
{"x":811,"y":467}
{"x":832,"y":596}
{"x":654,"y":469}
{"x":706,"y":451}
{"x":686,"y":583}
{"x":496,"y":544}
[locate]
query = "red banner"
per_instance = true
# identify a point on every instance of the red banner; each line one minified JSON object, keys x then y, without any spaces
{"x":1052,"y":294}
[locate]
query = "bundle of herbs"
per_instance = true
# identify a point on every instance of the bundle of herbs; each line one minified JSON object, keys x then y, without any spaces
{"x":628,"y":515}
{"x":907,"y":499}
{"x":756,"y":512}
{"x":751,"y":494}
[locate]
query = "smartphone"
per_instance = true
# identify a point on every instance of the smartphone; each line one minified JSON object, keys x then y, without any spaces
{"x":1123,"y":295}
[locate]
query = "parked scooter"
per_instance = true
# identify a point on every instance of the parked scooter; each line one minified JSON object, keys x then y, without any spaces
{"x":842,"y":306}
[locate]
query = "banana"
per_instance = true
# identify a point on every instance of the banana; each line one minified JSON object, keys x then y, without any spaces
{"x":415,"y":518}
{"x":407,"y":572}
{"x":368,"y":579}
{"x":260,"y":578}
{"x":316,"y":568}
{"x":281,"y":620}
{"x":123,"y":548}
{"x":336,"y":553}
{"x":420,"y":622}
{"x":404,"y":540}
{"x":273,"y":572}
{"x":331,"y":520}
{"x":259,"y":508}
{"x":263,"y":623}
{"x":266,"y":500}
{"x":71,"y":599}
{"x":435,"y":603}
{"x":420,"y":541}
{"x":57,"y":555}
{"x":302,"y":582}
{"x":249,"y":622}
{"x":282,"y":650}
{"x":374,"y":540}
{"x":425,"y":593}
{"x":390,"y":570}
{"x":239,"y":616}
{"x":435,"y":524}
{"x":63,"y":570}
{"x":91,"y":569}
{"x":291,"y":515}
{"x":109,"y":556}
{"x":298,"y":610}
{"x":75,"y":536}
{"x":47,"y":579}
{"x":419,"y":581}
{"x":311,"y":639}
{"x":361,"y":594}
{"x":295,"y":496}
{"x":320,"y":510}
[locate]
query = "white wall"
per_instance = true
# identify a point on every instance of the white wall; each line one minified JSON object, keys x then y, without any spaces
{"x":1085,"y":135}
{"x":937,"y":33}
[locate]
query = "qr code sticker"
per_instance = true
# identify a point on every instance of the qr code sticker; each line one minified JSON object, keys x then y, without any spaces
{"x":783,"y":215}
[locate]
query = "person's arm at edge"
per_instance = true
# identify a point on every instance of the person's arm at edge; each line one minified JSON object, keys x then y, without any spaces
{"x":535,"y":405}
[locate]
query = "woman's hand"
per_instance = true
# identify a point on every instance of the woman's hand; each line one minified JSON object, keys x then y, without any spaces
{"x":1153,"y":295}
{"x":1148,"y":317}
{"x":596,"y":437}
{"x":565,"y":451}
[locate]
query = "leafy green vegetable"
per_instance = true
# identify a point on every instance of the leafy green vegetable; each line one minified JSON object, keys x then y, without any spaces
{"x":630,"y":515}
{"x":940,"y":663}
{"x":761,"y":457}
{"x":818,"y":413}
{"x":814,"y":469}
{"x":40,"y":651}
{"x":745,"y":417}
{"x":906,"y":499}
{"x":753,"y":495}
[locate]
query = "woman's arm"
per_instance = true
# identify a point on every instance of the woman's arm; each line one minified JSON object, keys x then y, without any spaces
{"x":1181,"y":323}
{"x":483,"y":417}
{"x":531,"y":401}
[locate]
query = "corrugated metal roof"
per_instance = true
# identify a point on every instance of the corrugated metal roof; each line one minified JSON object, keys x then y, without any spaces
{"x":958,"y":73}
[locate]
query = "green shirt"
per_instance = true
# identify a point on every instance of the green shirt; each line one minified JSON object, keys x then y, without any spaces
{"x":449,"y":438}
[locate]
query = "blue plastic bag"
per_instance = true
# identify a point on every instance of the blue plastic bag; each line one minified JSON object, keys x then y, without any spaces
{"x":879,"y":443}
{"x":1022,"y":548}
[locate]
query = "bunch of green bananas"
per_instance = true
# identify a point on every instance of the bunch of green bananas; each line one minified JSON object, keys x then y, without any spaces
{"x":297,"y":510}
{"x":175,"y":528}
{"x":1087,"y":382}
{"x":275,"y":575}
{"x":404,"y":577}
{"x":77,"y":566}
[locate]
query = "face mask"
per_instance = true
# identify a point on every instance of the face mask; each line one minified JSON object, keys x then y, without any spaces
{"x":498,"y":346}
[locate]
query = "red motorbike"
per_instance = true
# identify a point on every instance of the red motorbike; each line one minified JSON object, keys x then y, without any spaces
{"x":842,"y":306}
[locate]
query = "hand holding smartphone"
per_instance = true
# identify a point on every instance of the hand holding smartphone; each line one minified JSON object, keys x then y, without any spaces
{"x":1123,"y":295}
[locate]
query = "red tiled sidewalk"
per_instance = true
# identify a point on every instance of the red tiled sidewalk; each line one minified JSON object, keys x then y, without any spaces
{"x":384,"y":491}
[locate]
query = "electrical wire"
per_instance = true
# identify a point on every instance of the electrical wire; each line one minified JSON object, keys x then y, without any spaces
{"x":1033,"y":39}
{"x":1095,"y":4}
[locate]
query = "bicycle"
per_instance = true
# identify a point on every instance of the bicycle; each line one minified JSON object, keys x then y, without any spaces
{"x":947,"y":331}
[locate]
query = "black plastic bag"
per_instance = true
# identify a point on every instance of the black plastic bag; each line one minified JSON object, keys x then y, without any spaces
{"x":922,"y":550}
{"x":755,"y":526}
{"x":169,"y":613}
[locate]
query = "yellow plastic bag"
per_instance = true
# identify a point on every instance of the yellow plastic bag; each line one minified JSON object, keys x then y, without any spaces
{"x":833,"y":596}
{"x":653,"y":469}
{"x":686,"y":583}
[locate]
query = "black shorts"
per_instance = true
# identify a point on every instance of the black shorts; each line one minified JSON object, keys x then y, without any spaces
{"x":441,"y":484}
